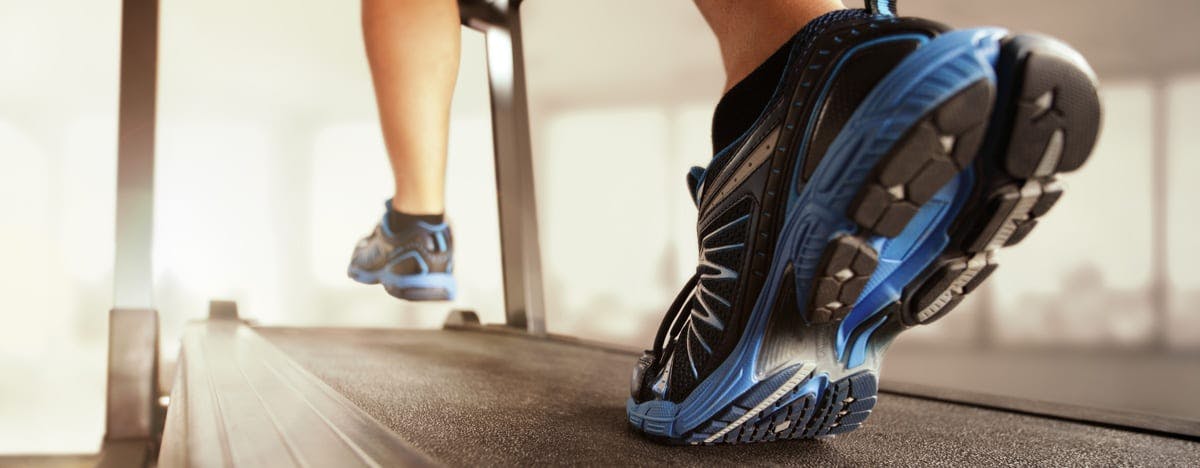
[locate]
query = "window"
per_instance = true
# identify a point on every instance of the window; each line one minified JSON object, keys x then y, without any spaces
{"x":58,"y":105}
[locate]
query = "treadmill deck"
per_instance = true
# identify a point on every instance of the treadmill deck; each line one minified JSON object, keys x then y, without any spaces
{"x":486,"y":398}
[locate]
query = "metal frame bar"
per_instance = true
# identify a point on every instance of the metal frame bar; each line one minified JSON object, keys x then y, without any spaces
{"x":132,"y":374}
{"x":132,"y":273}
{"x":133,"y":418}
{"x":1160,"y":275}
{"x":500,"y":22}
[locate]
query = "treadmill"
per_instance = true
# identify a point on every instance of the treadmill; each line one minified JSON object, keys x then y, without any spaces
{"x":485,"y":394}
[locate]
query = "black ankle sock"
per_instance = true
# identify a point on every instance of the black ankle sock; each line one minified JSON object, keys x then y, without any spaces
{"x":746,"y":100}
{"x":739,"y":107}
{"x":398,"y":221}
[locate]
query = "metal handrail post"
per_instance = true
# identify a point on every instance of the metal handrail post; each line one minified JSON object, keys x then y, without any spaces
{"x":133,"y":417}
{"x":524,"y":299}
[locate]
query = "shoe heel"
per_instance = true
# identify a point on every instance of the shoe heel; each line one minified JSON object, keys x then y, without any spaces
{"x":424,"y":287}
{"x":421,"y":294}
{"x":1054,"y":105}
{"x":1046,"y":122}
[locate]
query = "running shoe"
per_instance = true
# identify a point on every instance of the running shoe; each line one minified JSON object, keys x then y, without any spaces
{"x":415,"y":263}
{"x":870,"y":196}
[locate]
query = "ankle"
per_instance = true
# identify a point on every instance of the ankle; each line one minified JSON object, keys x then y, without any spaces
{"x":749,"y":35}
{"x":744,"y":101}
{"x":399,"y":220}
{"x":415,"y":207}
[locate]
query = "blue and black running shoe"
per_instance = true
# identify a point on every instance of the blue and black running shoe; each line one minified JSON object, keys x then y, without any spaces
{"x":415,"y":263}
{"x":872,"y":193}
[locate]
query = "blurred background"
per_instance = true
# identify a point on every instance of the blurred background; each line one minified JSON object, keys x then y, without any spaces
{"x":271,"y":165}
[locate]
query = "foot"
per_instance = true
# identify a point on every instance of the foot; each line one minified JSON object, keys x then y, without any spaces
{"x":869,"y":197}
{"x":414,"y":262}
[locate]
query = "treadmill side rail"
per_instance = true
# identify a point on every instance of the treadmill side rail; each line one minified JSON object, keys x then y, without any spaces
{"x":238,"y":400}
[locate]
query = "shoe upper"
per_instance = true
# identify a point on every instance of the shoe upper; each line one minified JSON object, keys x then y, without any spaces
{"x":743,"y":193}
{"x":418,"y":249}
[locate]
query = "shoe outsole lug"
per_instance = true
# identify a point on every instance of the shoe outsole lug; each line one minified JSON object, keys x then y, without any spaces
{"x":951,"y":280}
{"x":845,"y":267}
{"x":936,"y":149}
{"x":1054,"y":128}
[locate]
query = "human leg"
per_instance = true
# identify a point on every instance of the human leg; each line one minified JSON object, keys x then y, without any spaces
{"x":413,"y":50}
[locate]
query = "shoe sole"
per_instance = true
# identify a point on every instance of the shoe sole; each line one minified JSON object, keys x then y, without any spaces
{"x":952,"y":157}
{"x":427,"y":287}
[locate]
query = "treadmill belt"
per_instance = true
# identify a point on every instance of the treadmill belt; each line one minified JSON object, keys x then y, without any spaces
{"x":490,"y":398}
